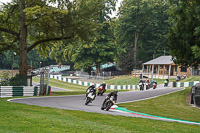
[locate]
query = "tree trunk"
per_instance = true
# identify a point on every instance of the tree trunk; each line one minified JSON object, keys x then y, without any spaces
{"x":98,"y":64}
{"x":135,"y":49}
{"x":23,"y":65}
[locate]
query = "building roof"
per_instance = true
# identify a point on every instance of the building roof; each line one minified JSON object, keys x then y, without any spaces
{"x":104,"y":66}
{"x":162,"y":60}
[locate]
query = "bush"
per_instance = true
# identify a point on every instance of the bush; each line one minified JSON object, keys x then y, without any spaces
{"x":4,"y":78}
{"x":18,"y":80}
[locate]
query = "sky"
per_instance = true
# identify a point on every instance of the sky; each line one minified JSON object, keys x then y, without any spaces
{"x":4,"y":1}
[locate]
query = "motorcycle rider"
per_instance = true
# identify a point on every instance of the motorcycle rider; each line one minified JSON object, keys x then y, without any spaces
{"x":92,"y":89}
{"x":104,"y":86}
{"x":154,"y":82}
{"x":184,"y":76}
{"x":141,"y":81}
{"x":114,"y":94}
{"x":178,"y":78}
{"x":147,"y":81}
{"x":166,"y":82}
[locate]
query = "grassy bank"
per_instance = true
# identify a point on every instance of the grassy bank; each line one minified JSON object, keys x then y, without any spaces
{"x":75,"y":89}
{"x":171,"y":106}
{"x":64,"y":85}
{"x":129,"y":80}
{"x":118,"y":80}
{"x":18,"y":118}
{"x":191,"y":78}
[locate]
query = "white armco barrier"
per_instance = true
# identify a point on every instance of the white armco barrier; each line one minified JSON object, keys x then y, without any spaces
{"x":11,"y":91}
{"x":118,"y":87}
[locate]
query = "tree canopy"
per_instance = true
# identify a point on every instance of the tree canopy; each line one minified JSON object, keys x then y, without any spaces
{"x":100,"y":49}
{"x":184,"y":35}
{"x":142,"y":25}
{"x":27,"y":24}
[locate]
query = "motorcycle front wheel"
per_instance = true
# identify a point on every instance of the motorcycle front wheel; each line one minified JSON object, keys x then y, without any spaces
{"x":87,"y":101}
{"x":109,"y":104}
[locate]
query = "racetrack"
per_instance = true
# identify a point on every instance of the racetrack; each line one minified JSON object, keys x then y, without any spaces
{"x":77,"y":102}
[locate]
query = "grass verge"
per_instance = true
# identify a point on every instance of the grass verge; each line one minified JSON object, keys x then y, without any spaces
{"x":129,"y":80}
{"x":18,"y":118}
{"x":171,"y":106}
{"x":121,"y":80}
{"x":64,"y":85}
{"x":76,"y":89}
{"x":191,"y":78}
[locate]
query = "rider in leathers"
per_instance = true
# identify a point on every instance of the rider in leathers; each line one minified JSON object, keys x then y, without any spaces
{"x":104,"y":86}
{"x":91,"y":89}
{"x":114,"y":94}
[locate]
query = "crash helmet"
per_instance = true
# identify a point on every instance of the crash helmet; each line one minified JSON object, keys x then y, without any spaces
{"x":115,"y":91}
{"x":92,"y":85}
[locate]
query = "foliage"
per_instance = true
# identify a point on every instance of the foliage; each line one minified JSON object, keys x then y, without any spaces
{"x":184,"y":32}
{"x":100,"y":49}
{"x":126,"y":59}
{"x":44,"y":23}
{"x":18,"y":80}
{"x":4,"y":79}
{"x":8,"y":60}
{"x":143,"y":21}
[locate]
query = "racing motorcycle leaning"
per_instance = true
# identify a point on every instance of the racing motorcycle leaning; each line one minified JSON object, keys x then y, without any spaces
{"x":154,"y":85}
{"x":141,"y":85}
{"x":108,"y":104}
{"x":90,"y":97}
{"x":147,"y":85}
{"x":100,"y":90}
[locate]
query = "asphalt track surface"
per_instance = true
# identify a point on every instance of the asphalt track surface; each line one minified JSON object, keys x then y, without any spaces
{"x":77,"y":102}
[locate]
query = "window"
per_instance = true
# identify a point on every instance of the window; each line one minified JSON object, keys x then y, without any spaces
{"x":175,"y":68}
{"x":183,"y":69}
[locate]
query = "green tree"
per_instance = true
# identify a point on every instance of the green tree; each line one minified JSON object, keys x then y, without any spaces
{"x":26,"y":24}
{"x":101,"y":48}
{"x":184,"y":35}
{"x":142,"y":24}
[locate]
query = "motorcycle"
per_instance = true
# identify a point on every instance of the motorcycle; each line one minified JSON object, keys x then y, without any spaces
{"x":154,"y":85}
{"x":89,"y":98}
{"x":178,"y":78}
{"x":165,"y":83}
{"x":108,"y":104}
{"x":147,"y":86}
{"x":141,"y":85}
{"x":100,"y":91}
